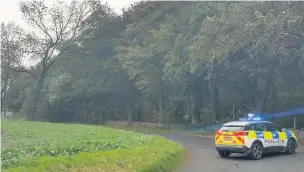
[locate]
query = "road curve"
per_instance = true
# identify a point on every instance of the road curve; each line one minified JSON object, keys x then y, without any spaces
{"x":204,"y":158}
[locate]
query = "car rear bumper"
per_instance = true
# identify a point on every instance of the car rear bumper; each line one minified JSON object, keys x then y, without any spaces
{"x":233,"y":149}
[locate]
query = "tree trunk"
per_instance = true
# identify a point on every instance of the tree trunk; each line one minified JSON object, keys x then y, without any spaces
{"x":160,"y":104}
{"x":273,"y":94}
{"x":178,"y":109}
{"x":215,"y":102}
{"x":193,"y":110}
{"x":139,"y":113}
{"x":39,"y":95}
{"x":130,"y":115}
{"x":253,"y":97}
{"x":3,"y":90}
{"x":2,"y":104}
{"x":160,"y":108}
{"x":4,"y":112}
{"x":189,"y":108}
{"x":267,"y":91}
{"x":36,"y":103}
{"x":198,"y":100}
{"x":214,"y":92}
{"x":136,"y":114}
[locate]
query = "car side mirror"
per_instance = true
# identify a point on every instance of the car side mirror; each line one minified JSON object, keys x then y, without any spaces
{"x":283,"y":129}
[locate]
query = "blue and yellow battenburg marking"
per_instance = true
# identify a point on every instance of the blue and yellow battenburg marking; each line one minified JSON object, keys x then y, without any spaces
{"x":238,"y":138}
{"x":265,"y":134}
{"x":271,"y":135}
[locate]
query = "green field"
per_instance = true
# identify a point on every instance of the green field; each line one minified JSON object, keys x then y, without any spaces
{"x":38,"y":146}
{"x":143,"y":129}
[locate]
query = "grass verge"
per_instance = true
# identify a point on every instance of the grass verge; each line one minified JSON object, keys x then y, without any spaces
{"x":142,"y":129}
{"x":37,"y":146}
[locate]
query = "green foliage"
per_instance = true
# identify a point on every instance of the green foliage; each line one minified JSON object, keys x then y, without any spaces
{"x":185,"y":62}
{"x":161,"y":157}
{"x":52,"y":147}
{"x":181,"y":62}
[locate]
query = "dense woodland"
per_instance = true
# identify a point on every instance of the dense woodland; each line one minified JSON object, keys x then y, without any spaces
{"x":165,"y":62}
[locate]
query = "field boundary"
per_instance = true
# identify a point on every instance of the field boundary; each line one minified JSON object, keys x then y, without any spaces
{"x":136,"y":124}
{"x":169,"y":158}
{"x":126,"y":152}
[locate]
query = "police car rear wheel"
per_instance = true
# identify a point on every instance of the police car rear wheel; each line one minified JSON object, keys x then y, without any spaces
{"x":224,"y":154}
{"x":256,"y":151}
{"x":291,"y":147}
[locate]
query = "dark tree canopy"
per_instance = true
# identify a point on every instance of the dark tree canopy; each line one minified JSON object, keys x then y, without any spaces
{"x":168,"y":62}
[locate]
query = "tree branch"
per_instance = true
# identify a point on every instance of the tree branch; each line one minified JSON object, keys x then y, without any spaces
{"x":43,"y":28}
{"x":32,"y":18}
{"x":23,"y":70}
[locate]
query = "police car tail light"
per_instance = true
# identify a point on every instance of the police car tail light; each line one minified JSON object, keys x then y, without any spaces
{"x":217,"y":132}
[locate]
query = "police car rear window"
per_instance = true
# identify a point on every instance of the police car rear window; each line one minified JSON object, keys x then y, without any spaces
{"x":232,"y":128}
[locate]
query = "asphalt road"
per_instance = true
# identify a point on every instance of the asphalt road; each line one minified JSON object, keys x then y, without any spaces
{"x":204,"y":158}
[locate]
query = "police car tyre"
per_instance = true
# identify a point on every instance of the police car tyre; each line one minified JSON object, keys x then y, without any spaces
{"x":224,"y":154}
{"x":256,"y":151}
{"x":291,"y":146}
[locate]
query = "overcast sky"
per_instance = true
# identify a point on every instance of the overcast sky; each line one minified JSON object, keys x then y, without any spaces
{"x":9,"y":9}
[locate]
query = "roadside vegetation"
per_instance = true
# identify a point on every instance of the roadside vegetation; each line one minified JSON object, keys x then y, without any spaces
{"x":171,"y":63}
{"x":144,"y":127}
{"x":38,"y":146}
{"x":159,"y":62}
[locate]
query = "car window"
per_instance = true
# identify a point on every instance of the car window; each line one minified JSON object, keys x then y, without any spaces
{"x":271,"y":127}
{"x":232,"y":128}
{"x":249,"y":127}
{"x":259,"y":127}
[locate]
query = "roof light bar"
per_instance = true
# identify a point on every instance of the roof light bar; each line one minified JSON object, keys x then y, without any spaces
{"x":251,"y":118}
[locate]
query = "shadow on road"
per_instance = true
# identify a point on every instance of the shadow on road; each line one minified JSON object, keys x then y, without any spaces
{"x":265,"y":156}
{"x":204,"y":157}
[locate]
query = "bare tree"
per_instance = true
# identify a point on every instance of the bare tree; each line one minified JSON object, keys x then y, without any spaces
{"x":54,"y":29}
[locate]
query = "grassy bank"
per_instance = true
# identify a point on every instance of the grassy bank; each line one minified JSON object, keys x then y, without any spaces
{"x":142,"y":128}
{"x":37,"y":146}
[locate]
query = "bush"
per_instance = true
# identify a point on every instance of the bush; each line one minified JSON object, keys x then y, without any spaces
{"x":58,"y":147}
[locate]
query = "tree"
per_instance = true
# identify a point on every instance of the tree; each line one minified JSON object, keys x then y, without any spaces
{"x":10,"y":52}
{"x":55,"y":29}
{"x":185,"y":62}
{"x":145,"y":64}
